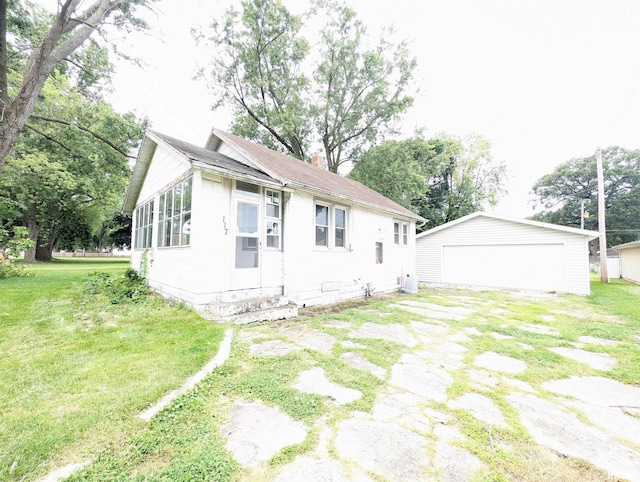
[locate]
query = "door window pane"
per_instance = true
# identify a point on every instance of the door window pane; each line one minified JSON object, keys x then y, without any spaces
{"x":247,"y":188}
{"x":247,"y":218}
{"x":246,"y":252}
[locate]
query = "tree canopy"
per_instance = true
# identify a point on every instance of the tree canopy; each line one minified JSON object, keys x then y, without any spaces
{"x":574,"y":182}
{"x":67,"y":168}
{"x":441,"y":179}
{"x":40,"y":43}
{"x":293,"y":94}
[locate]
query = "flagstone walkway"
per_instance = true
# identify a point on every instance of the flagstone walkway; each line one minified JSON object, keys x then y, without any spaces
{"x":408,"y":436}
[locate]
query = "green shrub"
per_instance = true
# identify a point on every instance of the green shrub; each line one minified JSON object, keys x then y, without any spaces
{"x":129,"y":287}
{"x":13,"y":270}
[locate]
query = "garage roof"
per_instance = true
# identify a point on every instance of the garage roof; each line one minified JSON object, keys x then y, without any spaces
{"x":557,"y":227}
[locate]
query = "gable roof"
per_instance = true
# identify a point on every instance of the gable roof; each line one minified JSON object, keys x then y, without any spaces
{"x":528,"y":222}
{"x":296,"y":173}
{"x":214,"y":161}
{"x":259,"y":164}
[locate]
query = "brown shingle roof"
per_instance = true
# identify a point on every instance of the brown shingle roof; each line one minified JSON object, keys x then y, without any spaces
{"x":213,"y":158}
{"x":295,"y":172}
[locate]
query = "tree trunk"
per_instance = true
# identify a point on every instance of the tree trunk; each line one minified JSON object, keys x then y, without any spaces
{"x":34,"y":230}
{"x":4,"y":93}
{"x":44,"y":250}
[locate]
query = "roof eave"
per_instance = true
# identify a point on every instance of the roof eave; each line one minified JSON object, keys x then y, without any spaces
{"x":234,"y":175}
{"x":140,"y":169}
{"x":632,"y":244}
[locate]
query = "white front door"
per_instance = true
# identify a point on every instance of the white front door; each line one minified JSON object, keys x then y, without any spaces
{"x":247,"y":252}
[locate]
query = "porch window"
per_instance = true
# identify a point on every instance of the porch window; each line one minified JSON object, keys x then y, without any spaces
{"x":143,"y":234}
{"x":273,"y":223}
{"x":174,"y":224}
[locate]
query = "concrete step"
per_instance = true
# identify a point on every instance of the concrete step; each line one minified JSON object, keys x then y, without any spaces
{"x":267,"y":314}
{"x":237,"y":307}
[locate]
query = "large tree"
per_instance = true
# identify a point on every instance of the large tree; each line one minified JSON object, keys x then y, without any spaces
{"x":44,"y":42}
{"x":69,"y":168}
{"x":573,"y":185}
{"x":442,"y":179}
{"x":294,"y":94}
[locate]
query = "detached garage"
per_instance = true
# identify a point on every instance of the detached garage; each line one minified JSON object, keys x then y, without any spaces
{"x":630,"y":261}
{"x":495,"y":251}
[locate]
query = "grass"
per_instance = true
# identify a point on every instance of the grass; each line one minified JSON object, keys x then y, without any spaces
{"x":77,"y":369}
{"x":81,"y":364}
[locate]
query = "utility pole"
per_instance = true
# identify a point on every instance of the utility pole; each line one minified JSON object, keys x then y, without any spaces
{"x":604,"y":277}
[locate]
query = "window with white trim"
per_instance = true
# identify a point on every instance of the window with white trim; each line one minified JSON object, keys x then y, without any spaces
{"x":174,"y":222}
{"x":379,"y":252}
{"x":322,"y":225}
{"x":273,"y":218}
{"x":400,"y":234}
{"x":340,"y":227}
{"x":144,"y":226}
{"x":331,"y":228}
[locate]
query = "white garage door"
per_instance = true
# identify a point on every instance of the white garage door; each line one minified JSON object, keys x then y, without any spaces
{"x":518,"y":266}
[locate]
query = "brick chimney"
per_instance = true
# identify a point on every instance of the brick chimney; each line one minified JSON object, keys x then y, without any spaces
{"x":318,"y":161}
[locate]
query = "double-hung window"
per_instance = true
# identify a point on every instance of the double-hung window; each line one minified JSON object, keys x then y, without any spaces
{"x":330,"y":225}
{"x":273,"y":216}
{"x":144,"y":226}
{"x":400,"y":234}
{"x":322,"y":225}
{"x":174,"y":223}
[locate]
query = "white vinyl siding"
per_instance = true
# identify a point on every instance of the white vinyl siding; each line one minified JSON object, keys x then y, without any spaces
{"x":630,"y":263}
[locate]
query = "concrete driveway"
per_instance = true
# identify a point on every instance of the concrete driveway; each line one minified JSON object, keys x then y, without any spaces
{"x":455,"y":405}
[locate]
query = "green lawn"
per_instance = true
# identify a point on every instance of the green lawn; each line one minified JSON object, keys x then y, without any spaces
{"x":76,"y":369}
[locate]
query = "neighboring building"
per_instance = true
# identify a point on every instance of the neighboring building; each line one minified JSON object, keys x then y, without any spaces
{"x":235,"y":227}
{"x":494,"y":251}
{"x":630,"y":261}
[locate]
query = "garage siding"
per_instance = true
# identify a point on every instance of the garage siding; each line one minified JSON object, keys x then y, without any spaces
{"x":488,"y":231}
{"x":630,"y":264}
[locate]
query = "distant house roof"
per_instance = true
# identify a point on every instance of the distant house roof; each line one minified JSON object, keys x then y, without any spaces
{"x":632,"y":244}
{"x":260,"y":164}
{"x":296,"y":173}
{"x":557,"y":227}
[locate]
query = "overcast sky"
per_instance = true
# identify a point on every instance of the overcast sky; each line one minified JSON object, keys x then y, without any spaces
{"x":543,"y":80}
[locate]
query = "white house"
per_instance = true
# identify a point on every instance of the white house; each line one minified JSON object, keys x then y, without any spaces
{"x":630,"y":261}
{"x":234,"y":227}
{"x":488,"y":250}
